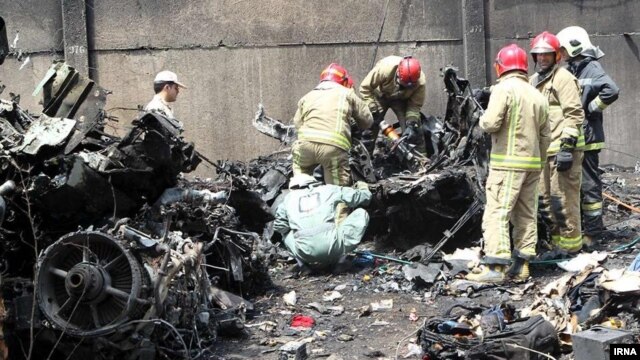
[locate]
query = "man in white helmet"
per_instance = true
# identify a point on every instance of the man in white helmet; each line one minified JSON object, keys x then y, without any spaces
{"x":166,"y":87}
{"x":598,"y":92}
{"x":307,"y":219}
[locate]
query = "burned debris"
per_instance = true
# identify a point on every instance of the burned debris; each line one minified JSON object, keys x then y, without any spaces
{"x":106,"y":249}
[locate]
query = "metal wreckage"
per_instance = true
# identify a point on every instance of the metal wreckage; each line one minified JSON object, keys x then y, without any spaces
{"x":108,"y":252}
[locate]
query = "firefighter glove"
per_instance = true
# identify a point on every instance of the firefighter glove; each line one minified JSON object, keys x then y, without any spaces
{"x":564,"y":160}
{"x":361,"y":185}
{"x":376,"y":111}
{"x":594,"y":106}
{"x":568,"y":143}
{"x":411,"y":131}
{"x":482,"y":96}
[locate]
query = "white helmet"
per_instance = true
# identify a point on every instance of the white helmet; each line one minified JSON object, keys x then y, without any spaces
{"x":576,"y":41}
{"x":302,"y":181}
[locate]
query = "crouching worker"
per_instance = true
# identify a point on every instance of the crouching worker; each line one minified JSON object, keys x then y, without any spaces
{"x":308,"y":221}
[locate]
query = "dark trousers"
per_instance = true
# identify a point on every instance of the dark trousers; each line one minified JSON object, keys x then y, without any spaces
{"x":591,"y":190}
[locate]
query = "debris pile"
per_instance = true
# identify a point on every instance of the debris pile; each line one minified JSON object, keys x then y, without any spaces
{"x":106,"y":249}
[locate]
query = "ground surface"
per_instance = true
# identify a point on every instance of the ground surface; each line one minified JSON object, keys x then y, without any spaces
{"x":377,"y":335}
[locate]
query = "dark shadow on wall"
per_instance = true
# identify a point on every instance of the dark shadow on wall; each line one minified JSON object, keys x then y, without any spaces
{"x":91,"y":36}
{"x":632,"y":45}
{"x":581,"y":4}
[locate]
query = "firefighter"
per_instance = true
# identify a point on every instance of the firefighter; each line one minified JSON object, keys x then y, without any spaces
{"x":397,"y":83}
{"x":324,"y":131}
{"x":560,"y":182}
{"x":598,"y":92}
{"x":166,"y":87}
{"x":516,"y":118}
{"x":307,"y":221}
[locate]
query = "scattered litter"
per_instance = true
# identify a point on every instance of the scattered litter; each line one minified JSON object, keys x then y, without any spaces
{"x":331,"y":296}
{"x":582,"y":261}
{"x":345,"y":337}
{"x":301,"y":321}
{"x":294,"y":350}
{"x":620,"y":281}
{"x":340,"y":287}
{"x":421,"y":274}
{"x":336,"y":310}
{"x":413,"y":350}
{"x":382,"y":305}
{"x":290,"y":298}
{"x":318,"y":307}
{"x":380,"y":323}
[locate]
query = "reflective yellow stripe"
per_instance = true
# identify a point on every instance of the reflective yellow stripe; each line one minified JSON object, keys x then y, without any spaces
{"x":413,"y":114}
{"x":516,"y":162}
{"x":594,"y":146}
{"x":600,"y":103}
{"x":325,"y":136}
{"x":580,"y":143}
{"x":591,"y":206}
{"x":567,"y":243}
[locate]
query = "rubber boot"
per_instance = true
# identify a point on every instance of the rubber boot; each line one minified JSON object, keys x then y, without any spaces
{"x":489,"y":273}
{"x":519,"y":270}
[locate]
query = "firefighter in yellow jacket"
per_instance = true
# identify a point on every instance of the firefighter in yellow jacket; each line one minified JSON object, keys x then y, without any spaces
{"x":516,"y":118}
{"x":560,"y":183}
{"x":397,"y":83}
{"x":322,"y":124}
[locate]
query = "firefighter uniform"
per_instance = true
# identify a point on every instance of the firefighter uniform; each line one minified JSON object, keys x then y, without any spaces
{"x":516,"y":118}
{"x":324,"y":132}
{"x":560,"y":190}
{"x":381,"y":91}
{"x":598,"y":92}
{"x":307,"y":221}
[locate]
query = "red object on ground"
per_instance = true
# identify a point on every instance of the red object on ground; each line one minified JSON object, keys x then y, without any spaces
{"x":302,"y":321}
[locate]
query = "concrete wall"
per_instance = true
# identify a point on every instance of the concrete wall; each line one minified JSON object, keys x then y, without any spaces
{"x":510,"y":21}
{"x":236,"y":54}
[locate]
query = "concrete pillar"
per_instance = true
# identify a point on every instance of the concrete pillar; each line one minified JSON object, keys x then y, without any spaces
{"x":473,"y":41}
{"x":74,"y":32}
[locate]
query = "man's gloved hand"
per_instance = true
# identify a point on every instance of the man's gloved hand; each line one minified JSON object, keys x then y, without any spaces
{"x":411,"y":131}
{"x":482,"y":96}
{"x":594,"y":106}
{"x":376,"y":111}
{"x":564,"y":160}
{"x":361,"y":185}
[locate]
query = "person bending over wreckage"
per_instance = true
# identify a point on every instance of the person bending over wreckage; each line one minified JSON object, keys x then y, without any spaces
{"x":309,"y":223}
{"x":517,"y":119}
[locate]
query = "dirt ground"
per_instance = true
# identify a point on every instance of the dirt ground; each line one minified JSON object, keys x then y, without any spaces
{"x":383,"y":333}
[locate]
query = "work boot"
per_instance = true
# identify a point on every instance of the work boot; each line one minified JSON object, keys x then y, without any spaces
{"x":588,"y":242}
{"x":488,"y":273}
{"x":519,"y":270}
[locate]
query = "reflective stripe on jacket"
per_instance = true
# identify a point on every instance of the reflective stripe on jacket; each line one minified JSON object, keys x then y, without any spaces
{"x":380,"y":83}
{"x":596,"y":87}
{"x":565,"y":109}
{"x":323,"y":115}
{"x":516,"y":118}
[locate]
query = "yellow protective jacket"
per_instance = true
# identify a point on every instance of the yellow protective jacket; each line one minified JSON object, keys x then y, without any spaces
{"x":565,"y":107}
{"x":323,"y":115}
{"x":517,"y":119}
{"x":380,"y":85}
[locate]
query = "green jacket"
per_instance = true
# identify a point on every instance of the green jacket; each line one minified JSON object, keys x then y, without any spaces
{"x":306,"y":220}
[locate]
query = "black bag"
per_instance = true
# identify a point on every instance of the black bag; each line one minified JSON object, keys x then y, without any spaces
{"x":532,"y":333}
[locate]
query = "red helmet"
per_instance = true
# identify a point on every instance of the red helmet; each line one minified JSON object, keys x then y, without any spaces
{"x":335,"y":73}
{"x":349,"y":82}
{"x":408,"y":72}
{"x":511,"y":57}
{"x":545,"y":43}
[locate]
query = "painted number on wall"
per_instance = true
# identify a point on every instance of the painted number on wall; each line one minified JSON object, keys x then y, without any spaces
{"x":76,"y":49}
